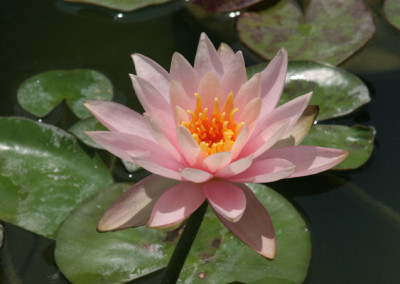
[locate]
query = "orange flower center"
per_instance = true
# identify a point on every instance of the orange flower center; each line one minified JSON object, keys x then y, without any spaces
{"x":215,"y":133}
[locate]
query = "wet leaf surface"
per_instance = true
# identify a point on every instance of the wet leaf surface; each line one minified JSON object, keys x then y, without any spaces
{"x":391,"y":9}
{"x":87,"y":124}
{"x":44,"y":177}
{"x":41,"y":93}
{"x":359,"y":140}
{"x":224,"y":5}
{"x":336,"y":91}
{"x":85,"y":256}
{"x":329,"y":31}
{"x":121,"y":5}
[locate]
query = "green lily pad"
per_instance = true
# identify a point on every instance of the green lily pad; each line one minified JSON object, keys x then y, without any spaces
{"x":359,"y":140}
{"x":86,"y":256}
{"x":41,"y":93}
{"x":121,"y":5}
{"x":336,"y":91}
{"x":391,"y":9}
{"x":329,"y":31}
{"x":224,"y":5}
{"x":87,"y":124}
{"x":44,"y":174}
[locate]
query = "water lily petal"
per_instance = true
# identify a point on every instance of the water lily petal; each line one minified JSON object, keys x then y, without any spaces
{"x":134,"y":206}
{"x":235,"y":168}
{"x":267,"y":170}
{"x":139,"y":150}
{"x":255,"y":227}
{"x":176,"y":204}
{"x":234,"y":74}
{"x":308,"y":160}
{"x":217,"y":161}
{"x":180,"y":98}
{"x":250,"y":112}
{"x":152,"y":72}
{"x":226,"y":54}
{"x":119,"y":118}
{"x":180,"y":115}
{"x":272,"y":81}
{"x":195,"y":175}
{"x":209,"y":89}
{"x":189,"y":147}
{"x":240,"y":141}
{"x":181,"y":71}
{"x":225,"y":198}
{"x":300,"y":129}
{"x":248,"y":91}
{"x":207,"y":59}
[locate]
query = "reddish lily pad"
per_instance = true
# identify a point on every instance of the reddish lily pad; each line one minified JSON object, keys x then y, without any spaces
{"x":44,"y":174}
{"x":86,"y":256}
{"x":358,"y":140}
{"x":329,"y":31}
{"x":224,"y":5}
{"x":336,"y":91}
{"x":121,"y":5}
{"x":41,"y":93}
{"x":391,"y":9}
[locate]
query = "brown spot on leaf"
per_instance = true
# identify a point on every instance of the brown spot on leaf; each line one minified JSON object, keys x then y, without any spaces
{"x":216,"y":243}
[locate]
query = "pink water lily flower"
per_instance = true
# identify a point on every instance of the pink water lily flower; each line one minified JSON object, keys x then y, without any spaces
{"x":205,"y":132}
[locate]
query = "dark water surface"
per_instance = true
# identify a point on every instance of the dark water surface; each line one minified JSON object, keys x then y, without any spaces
{"x":354,"y":216}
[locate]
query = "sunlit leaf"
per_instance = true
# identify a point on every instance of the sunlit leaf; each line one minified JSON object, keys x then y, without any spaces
{"x":392,"y":12}
{"x":330,"y":30}
{"x":359,"y":140}
{"x":87,"y":124}
{"x":121,"y":5}
{"x":224,"y":5}
{"x":44,"y":174}
{"x":86,"y":256}
{"x":336,"y":91}
{"x":41,"y":93}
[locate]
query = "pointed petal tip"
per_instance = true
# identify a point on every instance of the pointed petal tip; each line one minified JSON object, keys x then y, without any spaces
{"x":269,"y":248}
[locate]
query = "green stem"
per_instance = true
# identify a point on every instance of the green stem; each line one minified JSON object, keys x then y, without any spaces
{"x":185,"y":242}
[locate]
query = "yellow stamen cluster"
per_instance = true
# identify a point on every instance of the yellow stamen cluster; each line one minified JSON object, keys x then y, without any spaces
{"x":216,"y":133}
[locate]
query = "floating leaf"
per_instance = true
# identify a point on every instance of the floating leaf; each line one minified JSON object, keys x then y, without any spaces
{"x":86,"y":256}
{"x":44,"y":174}
{"x":330,"y":30}
{"x":392,"y":12}
{"x":359,"y":140}
{"x":121,"y":5}
{"x":336,"y":91}
{"x":43,"y":92}
{"x":87,"y":124}
{"x":224,"y":5}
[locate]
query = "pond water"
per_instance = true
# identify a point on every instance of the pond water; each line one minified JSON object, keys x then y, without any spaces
{"x":354,"y":216}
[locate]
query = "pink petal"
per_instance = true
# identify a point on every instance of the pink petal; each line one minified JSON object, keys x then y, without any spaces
{"x":134,"y":206}
{"x":209,"y":89}
{"x":151,"y":100}
{"x":181,"y":115}
{"x":308,"y":160}
{"x":248,"y":91}
{"x":240,"y":141}
{"x":152,"y":72}
{"x":182,"y":72}
{"x":226,"y":54}
{"x":119,"y":118}
{"x":217,"y":161}
{"x":189,"y":147}
{"x":180,"y":98}
{"x":235,"y":168}
{"x":195,"y":175}
{"x":258,"y":145}
{"x":267,"y":170}
{"x":135,"y":149}
{"x":234,"y":74}
{"x":251,"y":111}
{"x":165,"y":136}
{"x":225,"y":198}
{"x":175,"y":204}
{"x":255,"y":227}
{"x":207,"y":59}
{"x":272,"y":81}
